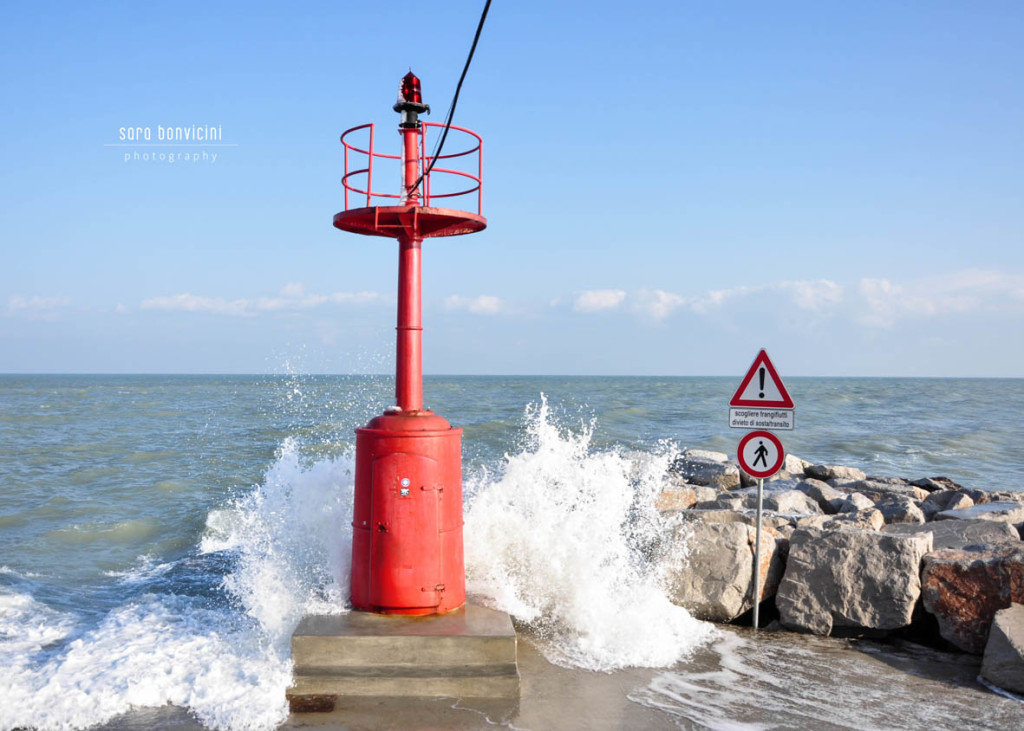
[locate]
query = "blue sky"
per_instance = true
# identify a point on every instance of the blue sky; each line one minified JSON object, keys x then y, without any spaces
{"x":669,"y":187}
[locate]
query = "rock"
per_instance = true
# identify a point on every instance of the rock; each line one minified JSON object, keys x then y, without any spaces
{"x":779,"y":497}
{"x":876,"y":490}
{"x":748,"y":517}
{"x":964,"y":588}
{"x":931,"y":484}
{"x":976,"y":495}
{"x":833,"y":472}
{"x":846,"y":473}
{"x":786,"y":531}
{"x":958,"y":501}
{"x":675,"y":497}
{"x":792,"y":468}
{"x":724,"y":501}
{"x":855,"y":502}
{"x":959,"y":533}
{"x":1004,"y":512}
{"x":701,"y":467}
{"x":936,"y":502}
{"x":706,"y":455}
{"x":715,"y":580}
{"x":1013,"y":496}
{"x":703,"y":493}
{"x":846,"y":486}
{"x":794,"y":465}
{"x":899,"y":509}
{"x":940,"y":498}
{"x":828,"y":498}
{"x":817,"y":471}
{"x":850,"y":579}
{"x":1003,"y":664}
{"x":885,"y":480}
{"x":867,"y":519}
{"x":791,"y":502}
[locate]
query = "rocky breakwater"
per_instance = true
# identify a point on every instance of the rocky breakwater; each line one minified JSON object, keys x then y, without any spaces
{"x":844,"y":553}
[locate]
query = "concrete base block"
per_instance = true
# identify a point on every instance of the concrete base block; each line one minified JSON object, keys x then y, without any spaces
{"x":468,"y":653}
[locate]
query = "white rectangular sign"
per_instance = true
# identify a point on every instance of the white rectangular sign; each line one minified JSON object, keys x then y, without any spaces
{"x":742,"y":417}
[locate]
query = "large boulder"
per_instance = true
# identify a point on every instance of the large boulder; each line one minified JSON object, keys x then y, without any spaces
{"x":852,"y":579}
{"x":959,"y":500}
{"x":941,"y":500}
{"x":792,"y":469}
{"x":722,"y":501}
{"x":791,"y":502}
{"x":715,"y":579}
{"x":964,"y":588}
{"x":828,"y":498}
{"x":856,"y":501}
{"x":833,"y":472}
{"x":704,"y":467}
{"x":748,"y":517}
{"x":868,"y":519}
{"x":795,"y":466}
{"x":1003,"y":664}
{"x":675,"y":497}
{"x":899,"y":509}
{"x":1002,"y":511}
{"x":931,"y":484}
{"x":877,"y":488}
{"x":959,"y":533}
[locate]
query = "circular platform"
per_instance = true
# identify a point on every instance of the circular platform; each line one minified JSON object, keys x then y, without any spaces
{"x":395,"y":221}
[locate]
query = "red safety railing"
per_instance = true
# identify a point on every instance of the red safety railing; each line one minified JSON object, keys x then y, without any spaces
{"x":365,"y":195}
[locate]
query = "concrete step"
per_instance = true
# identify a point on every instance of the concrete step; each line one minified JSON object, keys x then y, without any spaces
{"x":468,"y":653}
{"x":476,"y":686}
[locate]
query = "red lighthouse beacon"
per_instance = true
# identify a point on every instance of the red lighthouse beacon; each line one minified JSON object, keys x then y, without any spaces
{"x":407,"y":555}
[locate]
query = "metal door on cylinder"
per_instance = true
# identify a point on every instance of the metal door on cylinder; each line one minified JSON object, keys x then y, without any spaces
{"x":405,"y":544}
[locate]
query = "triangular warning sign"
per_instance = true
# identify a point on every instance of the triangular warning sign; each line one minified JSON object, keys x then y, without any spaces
{"x":762,"y":387}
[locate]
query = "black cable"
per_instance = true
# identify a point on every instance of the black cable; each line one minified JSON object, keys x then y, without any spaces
{"x":455,"y":100}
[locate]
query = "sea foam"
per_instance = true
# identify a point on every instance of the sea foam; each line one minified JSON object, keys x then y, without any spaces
{"x":226,"y":661}
{"x":565,"y":538}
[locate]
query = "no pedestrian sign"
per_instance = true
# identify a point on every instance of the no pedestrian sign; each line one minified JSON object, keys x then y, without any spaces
{"x":761,"y":401}
{"x":760,"y":454}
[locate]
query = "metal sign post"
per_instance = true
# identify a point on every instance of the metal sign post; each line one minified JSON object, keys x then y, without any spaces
{"x":761,"y":401}
{"x":761,"y":455}
{"x":757,"y":552}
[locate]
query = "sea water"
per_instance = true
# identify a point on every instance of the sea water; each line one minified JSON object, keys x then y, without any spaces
{"x":161,"y":536}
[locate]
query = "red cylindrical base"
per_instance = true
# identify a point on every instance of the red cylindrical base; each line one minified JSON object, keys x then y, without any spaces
{"x":407,"y":520}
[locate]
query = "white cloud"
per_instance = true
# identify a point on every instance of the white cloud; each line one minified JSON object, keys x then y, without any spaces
{"x":963,"y":292}
{"x":595,"y":300}
{"x":818,"y":294}
{"x":195,"y":303}
{"x":485,"y":304}
{"x":292,"y":297}
{"x":704,"y":303}
{"x":813,"y":295}
{"x":36,"y":308}
{"x":657,"y":303}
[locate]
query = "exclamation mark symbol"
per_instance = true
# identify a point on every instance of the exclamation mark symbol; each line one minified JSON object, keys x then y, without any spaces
{"x":760,"y":374}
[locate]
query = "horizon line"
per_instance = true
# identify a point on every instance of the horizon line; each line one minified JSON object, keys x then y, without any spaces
{"x":209,"y":374}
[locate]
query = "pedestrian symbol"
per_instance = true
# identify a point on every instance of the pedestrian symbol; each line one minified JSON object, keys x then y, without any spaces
{"x":761,"y":452}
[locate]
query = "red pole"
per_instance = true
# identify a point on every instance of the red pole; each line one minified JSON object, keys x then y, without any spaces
{"x":409,"y":349}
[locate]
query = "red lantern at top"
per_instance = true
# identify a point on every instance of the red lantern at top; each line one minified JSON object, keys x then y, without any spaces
{"x":410,"y":89}
{"x":410,"y":101}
